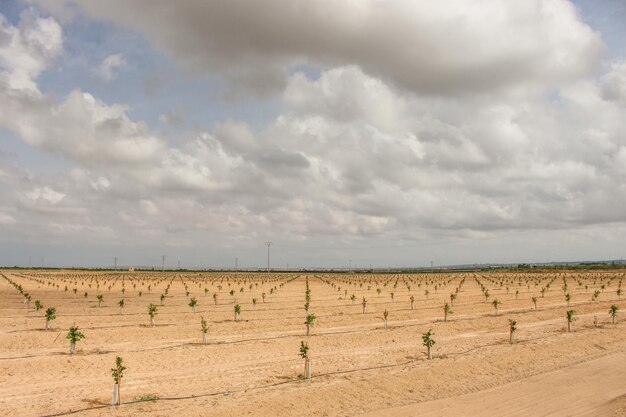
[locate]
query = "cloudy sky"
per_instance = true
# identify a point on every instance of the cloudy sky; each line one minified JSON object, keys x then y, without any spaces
{"x":378,"y":132}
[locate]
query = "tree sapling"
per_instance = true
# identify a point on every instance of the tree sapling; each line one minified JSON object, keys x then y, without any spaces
{"x":117,"y":373}
{"x":51,"y":314}
{"x":74,"y":335}
{"x":428,"y":341}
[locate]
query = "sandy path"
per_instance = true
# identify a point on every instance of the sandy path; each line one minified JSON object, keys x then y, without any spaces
{"x":585,"y":389}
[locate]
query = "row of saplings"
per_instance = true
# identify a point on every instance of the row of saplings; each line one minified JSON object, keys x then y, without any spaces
{"x":74,"y":335}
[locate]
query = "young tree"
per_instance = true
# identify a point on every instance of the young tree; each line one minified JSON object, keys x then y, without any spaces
{"x":254,"y":303}
{"x":117,"y":373}
{"x":570,"y":319}
{"x":353,"y":298}
{"x":429,"y":342}
{"x":364,"y":303}
{"x":100,"y":298}
{"x":74,"y":335}
{"x":38,"y":306}
{"x":51,"y":314}
{"x":512,"y":329}
{"x":568,"y":298}
{"x":162,"y":298}
{"x":486,"y":293}
{"x":613,"y":312}
{"x":152,"y":312}
{"x":304,"y":354}
{"x":426,"y":292}
{"x":192,"y":303}
{"x":385,"y":315}
{"x":215,"y":298}
{"x":535,"y":302}
{"x":237,"y":311}
{"x":205,"y":330}
{"x":309,"y":322}
{"x":121,"y":303}
{"x":495,"y":304}
{"x":446,"y":310}
{"x":619,"y":293}
{"x":452,"y":298}
{"x":412,"y":299}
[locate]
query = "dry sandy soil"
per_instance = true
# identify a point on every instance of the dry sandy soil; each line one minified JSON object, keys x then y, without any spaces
{"x":252,"y":366}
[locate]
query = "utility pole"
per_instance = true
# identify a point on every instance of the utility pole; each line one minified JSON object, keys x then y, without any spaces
{"x":163,"y":263}
{"x":268,"y":256}
{"x":115,"y":267}
{"x":29,"y":262}
{"x":350,"y":267}
{"x":432,"y":269}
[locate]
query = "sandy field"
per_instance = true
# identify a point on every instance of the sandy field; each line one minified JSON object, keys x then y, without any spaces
{"x":252,"y":366}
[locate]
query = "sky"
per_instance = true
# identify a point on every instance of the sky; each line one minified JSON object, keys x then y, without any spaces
{"x":345,"y":132}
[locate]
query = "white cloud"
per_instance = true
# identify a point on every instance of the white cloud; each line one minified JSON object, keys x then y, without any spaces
{"x":614,"y":83}
{"x":45,"y":195}
{"x":110,"y":65}
{"x":26,"y":50}
{"x":443,"y":134}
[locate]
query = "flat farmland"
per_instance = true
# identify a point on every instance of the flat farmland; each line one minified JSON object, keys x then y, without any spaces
{"x":252,"y":365}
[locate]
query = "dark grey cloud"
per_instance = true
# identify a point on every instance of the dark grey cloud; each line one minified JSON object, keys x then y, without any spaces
{"x":442,"y":47}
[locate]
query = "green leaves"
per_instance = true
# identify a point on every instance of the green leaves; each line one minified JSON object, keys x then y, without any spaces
{"x":203,"y":325}
{"x":118,"y":371}
{"x":74,"y":335}
{"x":310,"y":320}
{"x":304,"y":350}
{"x":427,"y":339}
{"x":51,"y":313}
{"x":152,"y":310}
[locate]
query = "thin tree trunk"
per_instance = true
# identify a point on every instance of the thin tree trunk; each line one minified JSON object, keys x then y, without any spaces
{"x":307,"y":369}
{"x":72,"y":348}
{"x":430,"y":353}
{"x":205,"y":339}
